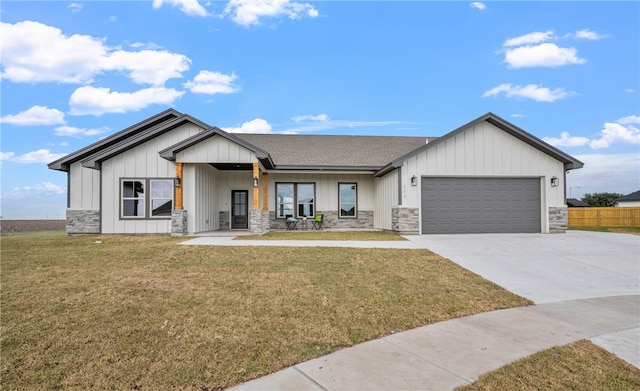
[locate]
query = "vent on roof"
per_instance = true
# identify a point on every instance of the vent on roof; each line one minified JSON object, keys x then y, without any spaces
{"x":426,"y":141}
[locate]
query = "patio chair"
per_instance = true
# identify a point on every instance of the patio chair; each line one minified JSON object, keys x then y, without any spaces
{"x":317,"y":222}
{"x":291,"y":222}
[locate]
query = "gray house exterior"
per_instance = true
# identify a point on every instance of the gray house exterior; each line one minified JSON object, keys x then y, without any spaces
{"x":174,"y":174}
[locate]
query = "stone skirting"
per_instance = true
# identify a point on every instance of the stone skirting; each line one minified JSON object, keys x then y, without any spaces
{"x":259,"y":222}
{"x":330,"y":221}
{"x":179,"y":222}
{"x":405,"y":220}
{"x":224,"y":220}
{"x":83,"y":221}
{"x":558,"y":219}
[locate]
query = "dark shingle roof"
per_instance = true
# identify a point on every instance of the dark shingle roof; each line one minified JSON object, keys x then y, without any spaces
{"x":574,"y":202}
{"x":635,"y":196}
{"x":289,"y":150}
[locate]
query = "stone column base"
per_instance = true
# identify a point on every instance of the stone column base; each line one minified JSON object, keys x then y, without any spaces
{"x":179,"y":222}
{"x":405,"y":220}
{"x":558,"y":219}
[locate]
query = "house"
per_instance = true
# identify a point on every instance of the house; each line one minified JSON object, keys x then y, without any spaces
{"x":576,"y":203}
{"x":174,"y":174}
{"x":632,"y":199}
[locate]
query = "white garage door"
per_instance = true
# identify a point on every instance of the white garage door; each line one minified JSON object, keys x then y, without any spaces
{"x":480,"y":205}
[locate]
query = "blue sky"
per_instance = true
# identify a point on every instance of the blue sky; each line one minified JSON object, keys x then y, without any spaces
{"x":75,"y":72}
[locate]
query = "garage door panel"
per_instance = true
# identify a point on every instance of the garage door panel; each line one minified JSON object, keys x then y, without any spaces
{"x":480,"y":205}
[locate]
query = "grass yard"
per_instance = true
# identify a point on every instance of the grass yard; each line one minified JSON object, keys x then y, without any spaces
{"x":577,"y":366}
{"x":325,"y":235}
{"x":141,"y":312}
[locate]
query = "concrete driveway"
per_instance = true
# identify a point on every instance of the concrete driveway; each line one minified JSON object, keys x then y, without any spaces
{"x":547,"y":268}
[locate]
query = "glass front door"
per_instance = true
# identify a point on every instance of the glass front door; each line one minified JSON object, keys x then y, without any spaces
{"x":239,"y":209}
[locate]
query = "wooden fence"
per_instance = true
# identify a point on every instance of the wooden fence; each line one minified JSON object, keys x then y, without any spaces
{"x":604,"y":217}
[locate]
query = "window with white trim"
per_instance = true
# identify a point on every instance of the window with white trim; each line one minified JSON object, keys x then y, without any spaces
{"x":347,"y":200}
{"x":142,"y":198}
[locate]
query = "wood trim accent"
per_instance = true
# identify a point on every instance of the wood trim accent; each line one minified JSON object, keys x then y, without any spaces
{"x":179,"y":203}
{"x":256,"y":189}
{"x":265,"y":191}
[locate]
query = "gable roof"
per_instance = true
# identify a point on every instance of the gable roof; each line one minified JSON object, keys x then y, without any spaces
{"x":294,"y":151}
{"x":570,"y":163}
{"x":170,"y":153}
{"x":65,"y":162}
{"x":635,"y":196}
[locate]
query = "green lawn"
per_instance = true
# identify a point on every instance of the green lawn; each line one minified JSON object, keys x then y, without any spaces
{"x":141,"y":312}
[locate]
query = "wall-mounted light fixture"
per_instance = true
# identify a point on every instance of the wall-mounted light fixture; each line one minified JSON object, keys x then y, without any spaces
{"x":414,"y":181}
{"x":255,"y":181}
{"x":176,"y":181}
{"x":555,"y":181}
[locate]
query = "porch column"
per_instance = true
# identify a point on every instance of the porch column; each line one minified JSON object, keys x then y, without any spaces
{"x":179,"y":203}
{"x":256,"y":189}
{"x":265,"y":191}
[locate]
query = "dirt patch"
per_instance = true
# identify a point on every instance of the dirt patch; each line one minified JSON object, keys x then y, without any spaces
{"x":32,"y":225}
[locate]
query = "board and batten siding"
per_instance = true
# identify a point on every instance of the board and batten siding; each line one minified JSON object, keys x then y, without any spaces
{"x":326,"y":188}
{"x":85,"y":183}
{"x":216,"y":149}
{"x":200,"y":197}
{"x":142,"y":161}
{"x":386,"y":191}
{"x":485,"y":150}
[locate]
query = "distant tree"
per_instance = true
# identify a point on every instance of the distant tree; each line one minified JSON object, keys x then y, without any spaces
{"x":601,"y":199}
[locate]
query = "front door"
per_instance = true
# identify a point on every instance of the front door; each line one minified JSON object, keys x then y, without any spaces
{"x":239,"y":209}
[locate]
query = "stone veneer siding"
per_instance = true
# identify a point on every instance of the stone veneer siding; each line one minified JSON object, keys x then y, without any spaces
{"x":259,"y":222}
{"x":83,"y":221}
{"x":405,"y":220}
{"x":330,"y":221}
{"x":558,"y":219}
{"x":179,"y":222}
{"x":224,"y":220}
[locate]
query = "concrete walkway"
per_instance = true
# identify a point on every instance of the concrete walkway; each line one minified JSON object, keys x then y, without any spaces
{"x":584,"y":284}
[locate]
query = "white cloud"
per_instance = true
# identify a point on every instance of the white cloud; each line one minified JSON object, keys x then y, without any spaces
{"x":566,"y":140}
{"x":34,"y":52}
{"x":97,"y":101}
{"x":530,"y":91}
{"x":39,"y":156}
{"x":478,"y":5}
{"x":249,"y":12}
{"x":38,"y":190}
{"x":587,"y":34}
{"x":188,"y":7}
{"x":319,"y":117}
{"x":210,"y":82}
{"x":75,"y":7}
{"x":257,"y":125}
{"x":542,"y":55}
{"x":630,"y":90}
{"x":147,"y":66}
{"x":72,"y":131}
{"x":620,"y":132}
{"x":528,"y":39}
{"x":616,"y":133}
{"x":34,"y":116}
{"x":631,"y":119}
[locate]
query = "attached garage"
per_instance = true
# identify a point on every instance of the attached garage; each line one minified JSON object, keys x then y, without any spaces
{"x":480,"y":205}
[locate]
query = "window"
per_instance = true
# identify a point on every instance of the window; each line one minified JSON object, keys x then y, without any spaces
{"x":135,"y":198}
{"x":295,"y":199}
{"x":132,"y":199}
{"x":161,"y":198}
{"x":347,"y":199}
